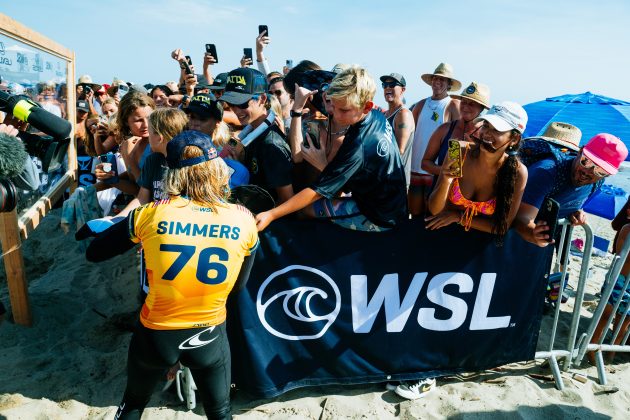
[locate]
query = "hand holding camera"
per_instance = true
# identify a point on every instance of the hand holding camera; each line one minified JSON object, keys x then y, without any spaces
{"x":247,"y":59}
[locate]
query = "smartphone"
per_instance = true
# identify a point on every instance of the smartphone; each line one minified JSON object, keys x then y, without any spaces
{"x":185,"y":64}
{"x":289,"y":64}
{"x":110,"y":159}
{"x":122,"y":90}
{"x":263,"y":28}
{"x":549,"y":213}
{"x":455,"y":154}
{"x":247,"y":52}
{"x":312,"y":131}
{"x":212,"y":49}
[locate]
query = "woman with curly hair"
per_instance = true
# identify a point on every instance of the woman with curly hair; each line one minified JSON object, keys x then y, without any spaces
{"x":487,"y":195}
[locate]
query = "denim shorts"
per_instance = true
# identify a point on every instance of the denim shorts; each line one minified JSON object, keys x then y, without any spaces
{"x":619,"y":292}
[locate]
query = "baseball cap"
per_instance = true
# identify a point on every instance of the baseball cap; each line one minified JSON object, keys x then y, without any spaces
{"x":606,"y":151}
{"x":397,"y":77}
{"x":242,"y":84}
{"x":506,"y":116}
{"x":175,"y":149}
{"x":219,"y":81}
{"x":83,"y":106}
{"x":205,"y":105}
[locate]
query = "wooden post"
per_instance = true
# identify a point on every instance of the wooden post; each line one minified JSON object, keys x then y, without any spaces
{"x":14,"y":267}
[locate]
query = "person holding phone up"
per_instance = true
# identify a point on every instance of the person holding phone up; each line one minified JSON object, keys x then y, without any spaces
{"x":488,"y":194}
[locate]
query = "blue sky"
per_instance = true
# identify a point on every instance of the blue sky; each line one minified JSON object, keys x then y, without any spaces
{"x":524,"y":50}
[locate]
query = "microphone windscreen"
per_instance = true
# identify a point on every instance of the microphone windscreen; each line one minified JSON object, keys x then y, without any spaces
{"x":12,"y":156}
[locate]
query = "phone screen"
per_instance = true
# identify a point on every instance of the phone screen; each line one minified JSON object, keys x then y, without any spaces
{"x":247,"y":52}
{"x":263,"y":28}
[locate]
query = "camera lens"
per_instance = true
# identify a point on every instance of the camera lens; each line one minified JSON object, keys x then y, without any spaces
{"x":8,"y":196}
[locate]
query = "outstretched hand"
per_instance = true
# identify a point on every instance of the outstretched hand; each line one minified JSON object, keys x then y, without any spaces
{"x":8,"y":129}
{"x":263,"y":220}
{"x":442,"y":219}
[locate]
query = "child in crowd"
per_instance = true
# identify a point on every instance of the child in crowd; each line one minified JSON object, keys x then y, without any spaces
{"x":367,"y":165}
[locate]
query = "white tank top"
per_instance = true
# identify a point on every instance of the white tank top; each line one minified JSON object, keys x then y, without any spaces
{"x":431,"y":117}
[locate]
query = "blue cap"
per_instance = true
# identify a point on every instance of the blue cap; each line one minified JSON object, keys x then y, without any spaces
{"x":175,"y":149}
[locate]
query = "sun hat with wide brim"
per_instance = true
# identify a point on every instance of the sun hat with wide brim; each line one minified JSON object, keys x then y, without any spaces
{"x":562,"y":134}
{"x":444,"y":70}
{"x":86,"y":79}
{"x":476,"y":92}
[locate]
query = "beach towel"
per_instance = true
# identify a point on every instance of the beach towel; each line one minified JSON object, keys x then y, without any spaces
{"x":79,"y":208}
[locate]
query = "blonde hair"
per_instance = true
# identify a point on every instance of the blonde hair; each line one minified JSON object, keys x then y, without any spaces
{"x":205,"y":183}
{"x":355,"y":85}
{"x":167,"y":122}
{"x":221,"y":134}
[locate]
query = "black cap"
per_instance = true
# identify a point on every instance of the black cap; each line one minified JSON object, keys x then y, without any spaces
{"x":395,"y":76}
{"x":83,"y":106}
{"x":219,"y":82}
{"x":242,"y":84}
{"x":175,"y":149}
{"x":206,"y":106}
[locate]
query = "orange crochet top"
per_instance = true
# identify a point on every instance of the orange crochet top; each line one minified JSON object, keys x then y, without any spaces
{"x":472,"y":208}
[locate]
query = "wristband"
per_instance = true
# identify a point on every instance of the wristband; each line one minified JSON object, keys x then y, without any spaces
{"x":295,"y":114}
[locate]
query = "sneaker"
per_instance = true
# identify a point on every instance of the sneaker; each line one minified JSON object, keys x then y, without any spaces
{"x":415,"y":390}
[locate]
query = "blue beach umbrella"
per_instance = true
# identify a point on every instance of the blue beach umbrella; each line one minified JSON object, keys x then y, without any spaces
{"x":607,"y":202}
{"x":591,"y":113}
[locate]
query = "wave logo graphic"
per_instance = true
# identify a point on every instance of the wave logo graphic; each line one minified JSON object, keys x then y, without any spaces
{"x":309,"y":298}
{"x":196,"y":341}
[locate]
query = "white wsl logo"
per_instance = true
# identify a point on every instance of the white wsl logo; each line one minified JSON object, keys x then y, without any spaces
{"x":302,"y":322}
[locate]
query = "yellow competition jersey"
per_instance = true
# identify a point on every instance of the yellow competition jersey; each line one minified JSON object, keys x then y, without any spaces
{"x":193,"y":257}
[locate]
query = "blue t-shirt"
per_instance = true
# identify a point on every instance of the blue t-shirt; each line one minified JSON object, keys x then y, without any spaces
{"x":368,"y":165}
{"x":548,"y":178}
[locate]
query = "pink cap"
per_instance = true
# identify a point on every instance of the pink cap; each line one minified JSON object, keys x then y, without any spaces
{"x":606,"y":151}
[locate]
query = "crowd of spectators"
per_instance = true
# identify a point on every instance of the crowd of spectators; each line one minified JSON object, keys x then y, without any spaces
{"x":315,"y":142}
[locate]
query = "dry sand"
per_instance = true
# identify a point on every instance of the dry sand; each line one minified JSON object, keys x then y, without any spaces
{"x":71,"y":363}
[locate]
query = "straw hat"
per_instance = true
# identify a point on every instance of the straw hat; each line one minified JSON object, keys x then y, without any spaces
{"x":86,"y":79}
{"x":477,"y":92}
{"x":562,"y":134}
{"x":444,"y":70}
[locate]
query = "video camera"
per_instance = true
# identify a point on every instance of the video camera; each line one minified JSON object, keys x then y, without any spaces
{"x":50,"y":148}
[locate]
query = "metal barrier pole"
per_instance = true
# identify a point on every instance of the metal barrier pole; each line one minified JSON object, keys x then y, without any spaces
{"x":579,"y":294}
{"x":566,"y":230}
{"x":613,"y":273}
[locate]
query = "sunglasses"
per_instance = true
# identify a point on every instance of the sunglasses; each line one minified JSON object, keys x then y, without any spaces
{"x":588,"y":164}
{"x":324,"y":87}
{"x":390,"y":84}
{"x":277,"y":93}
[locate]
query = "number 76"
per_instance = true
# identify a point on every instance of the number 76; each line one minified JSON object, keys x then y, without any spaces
{"x":204,"y":265}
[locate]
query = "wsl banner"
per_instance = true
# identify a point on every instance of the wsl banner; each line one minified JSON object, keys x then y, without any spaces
{"x":325,"y":305}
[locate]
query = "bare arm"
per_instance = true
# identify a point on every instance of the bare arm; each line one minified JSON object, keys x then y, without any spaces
{"x":404,"y":128}
{"x":302,"y":199}
{"x":295,"y":140}
{"x":433,"y":149}
{"x":452,"y":111}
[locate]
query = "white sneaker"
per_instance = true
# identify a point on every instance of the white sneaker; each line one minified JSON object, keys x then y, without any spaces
{"x":415,"y":390}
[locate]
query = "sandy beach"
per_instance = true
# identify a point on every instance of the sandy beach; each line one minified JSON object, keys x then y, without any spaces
{"x":71,"y":363}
